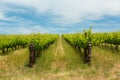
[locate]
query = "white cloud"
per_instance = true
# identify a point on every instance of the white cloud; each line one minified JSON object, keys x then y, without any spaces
{"x":2,"y":16}
{"x":27,"y":29}
{"x":71,"y":11}
{"x":41,"y":29}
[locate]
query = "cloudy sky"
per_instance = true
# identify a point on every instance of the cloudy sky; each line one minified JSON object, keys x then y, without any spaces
{"x":58,"y":16}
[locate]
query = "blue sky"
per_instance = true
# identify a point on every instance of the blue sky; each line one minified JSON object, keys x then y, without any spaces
{"x":58,"y":16}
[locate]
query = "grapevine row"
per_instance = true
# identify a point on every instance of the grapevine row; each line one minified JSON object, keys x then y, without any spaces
{"x":41,"y":41}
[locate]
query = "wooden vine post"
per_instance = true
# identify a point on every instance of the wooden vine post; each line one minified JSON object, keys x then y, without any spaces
{"x":85,"y":49}
{"x":3,"y":50}
{"x":89,"y":52}
{"x":31,"y":54}
{"x":116,"y":47}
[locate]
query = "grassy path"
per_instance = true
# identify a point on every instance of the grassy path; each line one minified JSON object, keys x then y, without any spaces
{"x":59,"y":57}
{"x":61,"y":62}
{"x":73,"y":57}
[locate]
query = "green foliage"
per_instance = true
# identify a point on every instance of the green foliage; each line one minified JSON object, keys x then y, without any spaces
{"x":110,"y":38}
{"x":10,"y":41}
{"x":40,"y":41}
{"x":79,"y":39}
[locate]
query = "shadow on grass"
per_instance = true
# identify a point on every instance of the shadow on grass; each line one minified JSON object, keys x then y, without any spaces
{"x":10,"y":51}
{"x":75,"y":57}
{"x":110,"y":48}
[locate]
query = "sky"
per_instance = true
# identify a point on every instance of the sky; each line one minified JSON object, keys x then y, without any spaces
{"x":58,"y":16}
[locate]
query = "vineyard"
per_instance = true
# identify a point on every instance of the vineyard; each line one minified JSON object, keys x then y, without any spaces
{"x":80,"y":40}
{"x":85,"y":55}
{"x":87,"y":40}
{"x":41,"y":41}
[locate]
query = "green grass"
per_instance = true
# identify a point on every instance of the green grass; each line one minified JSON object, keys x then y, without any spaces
{"x":73,"y":56}
{"x":70,"y":66}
